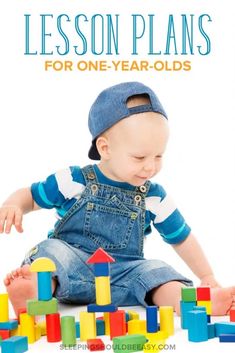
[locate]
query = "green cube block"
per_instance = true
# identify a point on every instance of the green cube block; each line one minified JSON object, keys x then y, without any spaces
{"x":188,"y":294}
{"x":41,"y":307}
{"x":132,"y":343}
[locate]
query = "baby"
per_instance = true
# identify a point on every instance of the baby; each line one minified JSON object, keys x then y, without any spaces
{"x":112,"y":205}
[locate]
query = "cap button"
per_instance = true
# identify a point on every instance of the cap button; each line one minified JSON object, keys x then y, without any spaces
{"x":91,"y":176}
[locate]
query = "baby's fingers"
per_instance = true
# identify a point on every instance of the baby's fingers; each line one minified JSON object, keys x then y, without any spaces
{"x":18,"y":221}
{"x":9,"y":220}
{"x":2,"y":220}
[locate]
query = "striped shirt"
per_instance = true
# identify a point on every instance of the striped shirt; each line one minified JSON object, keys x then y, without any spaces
{"x":62,"y":189}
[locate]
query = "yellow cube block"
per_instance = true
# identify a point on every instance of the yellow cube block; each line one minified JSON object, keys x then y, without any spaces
{"x":133,"y":315}
{"x":167,"y":319}
{"x":4,"y":307}
{"x":27,"y":327}
{"x":206,"y":304}
{"x":87,"y":325}
{"x":103,"y":291}
{"x":136,"y":326}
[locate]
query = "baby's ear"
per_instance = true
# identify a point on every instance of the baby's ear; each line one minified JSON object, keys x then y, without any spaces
{"x":102,"y":145}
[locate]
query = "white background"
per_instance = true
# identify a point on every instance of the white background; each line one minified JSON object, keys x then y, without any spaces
{"x":44,"y":123}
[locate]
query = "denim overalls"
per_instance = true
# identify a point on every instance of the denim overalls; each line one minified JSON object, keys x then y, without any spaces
{"x":112,"y":218}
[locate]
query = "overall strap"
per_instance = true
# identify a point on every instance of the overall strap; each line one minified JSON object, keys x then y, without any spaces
{"x":89,"y":174}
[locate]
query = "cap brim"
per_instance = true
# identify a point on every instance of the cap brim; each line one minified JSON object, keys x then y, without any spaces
{"x":93,"y":152}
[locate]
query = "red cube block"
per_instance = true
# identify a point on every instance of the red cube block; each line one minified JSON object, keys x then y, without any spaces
{"x":5,"y":334}
{"x":232,"y":315}
{"x":203,"y":293}
{"x":95,"y":344}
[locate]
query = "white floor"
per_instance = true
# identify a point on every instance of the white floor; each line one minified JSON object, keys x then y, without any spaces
{"x":175,"y":344}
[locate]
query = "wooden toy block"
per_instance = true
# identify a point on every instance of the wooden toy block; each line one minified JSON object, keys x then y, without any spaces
{"x":185,"y":307}
{"x":43,"y":264}
{"x":53,"y":327}
{"x":37,"y":332}
{"x":4,"y":307}
{"x":43,"y":328}
{"x":20,"y":311}
{"x":44,"y":286}
{"x":9,"y":325}
{"x":15,"y":332}
{"x":94,"y":308}
{"x":127,"y":316}
{"x":197,"y":326}
{"x":154,"y":346}
{"x":203,"y":293}
{"x":151,"y":318}
{"x":188,"y":294}
{"x":4,"y":334}
{"x":77,"y":326}
{"x":101,"y":269}
{"x":232,"y":315}
{"x":27,"y":327}
{"x":117,"y":324}
{"x":68,"y":331}
{"x":136,"y":327}
{"x":167,"y":319}
{"x":207,"y":305}
{"x":15,"y":344}
{"x":87,"y":325}
{"x":132,"y":343}
{"x":102,"y":290}
{"x":211,"y":331}
{"x":100,"y":327}
{"x":107,"y":323}
{"x":133,"y":315}
{"x":227,"y":337}
{"x":224,"y":327}
{"x":100,"y":256}
{"x":208,"y":319}
{"x":40,"y":307}
{"x":95,"y":344}
{"x":156,"y":336}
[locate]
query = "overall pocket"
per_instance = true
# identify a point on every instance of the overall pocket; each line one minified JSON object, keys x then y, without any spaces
{"x":109,"y":225}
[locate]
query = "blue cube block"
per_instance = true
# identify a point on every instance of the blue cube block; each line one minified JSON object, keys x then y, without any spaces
{"x":100,"y":327}
{"x":94,"y":308}
{"x":9,"y":325}
{"x":127,"y":316}
{"x":77,"y":327}
{"x":185,"y":307}
{"x":227,"y":337}
{"x":211,"y":330}
{"x":101,"y":269}
{"x":16,"y":344}
{"x":151,"y":318}
{"x":44,"y":286}
{"x":224,"y":327}
{"x":197,"y":326}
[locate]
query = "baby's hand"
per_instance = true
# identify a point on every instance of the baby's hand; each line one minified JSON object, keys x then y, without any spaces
{"x":10,"y":215}
{"x":209,"y":281}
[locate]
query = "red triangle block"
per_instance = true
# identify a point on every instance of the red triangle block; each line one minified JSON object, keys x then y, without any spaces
{"x":100,"y":256}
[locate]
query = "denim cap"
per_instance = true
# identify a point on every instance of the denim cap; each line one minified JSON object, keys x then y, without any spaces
{"x":111,"y":106}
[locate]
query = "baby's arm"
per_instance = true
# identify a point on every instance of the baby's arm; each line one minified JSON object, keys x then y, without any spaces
{"x":13,"y":209}
{"x":192,"y":254}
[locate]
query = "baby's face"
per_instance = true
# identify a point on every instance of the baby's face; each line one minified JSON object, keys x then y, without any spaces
{"x":136,"y":146}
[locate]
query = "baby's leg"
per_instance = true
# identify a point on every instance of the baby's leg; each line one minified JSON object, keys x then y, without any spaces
{"x":223,"y":299}
{"x":21,"y":285}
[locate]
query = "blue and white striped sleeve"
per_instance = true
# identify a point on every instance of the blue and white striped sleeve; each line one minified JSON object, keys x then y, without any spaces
{"x":165,"y":216}
{"x":58,"y":188}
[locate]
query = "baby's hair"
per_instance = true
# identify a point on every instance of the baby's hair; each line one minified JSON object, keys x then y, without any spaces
{"x":138,"y":99}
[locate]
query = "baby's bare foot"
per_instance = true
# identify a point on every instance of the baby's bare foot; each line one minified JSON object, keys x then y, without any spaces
{"x":223,"y":299}
{"x":21,"y":285}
